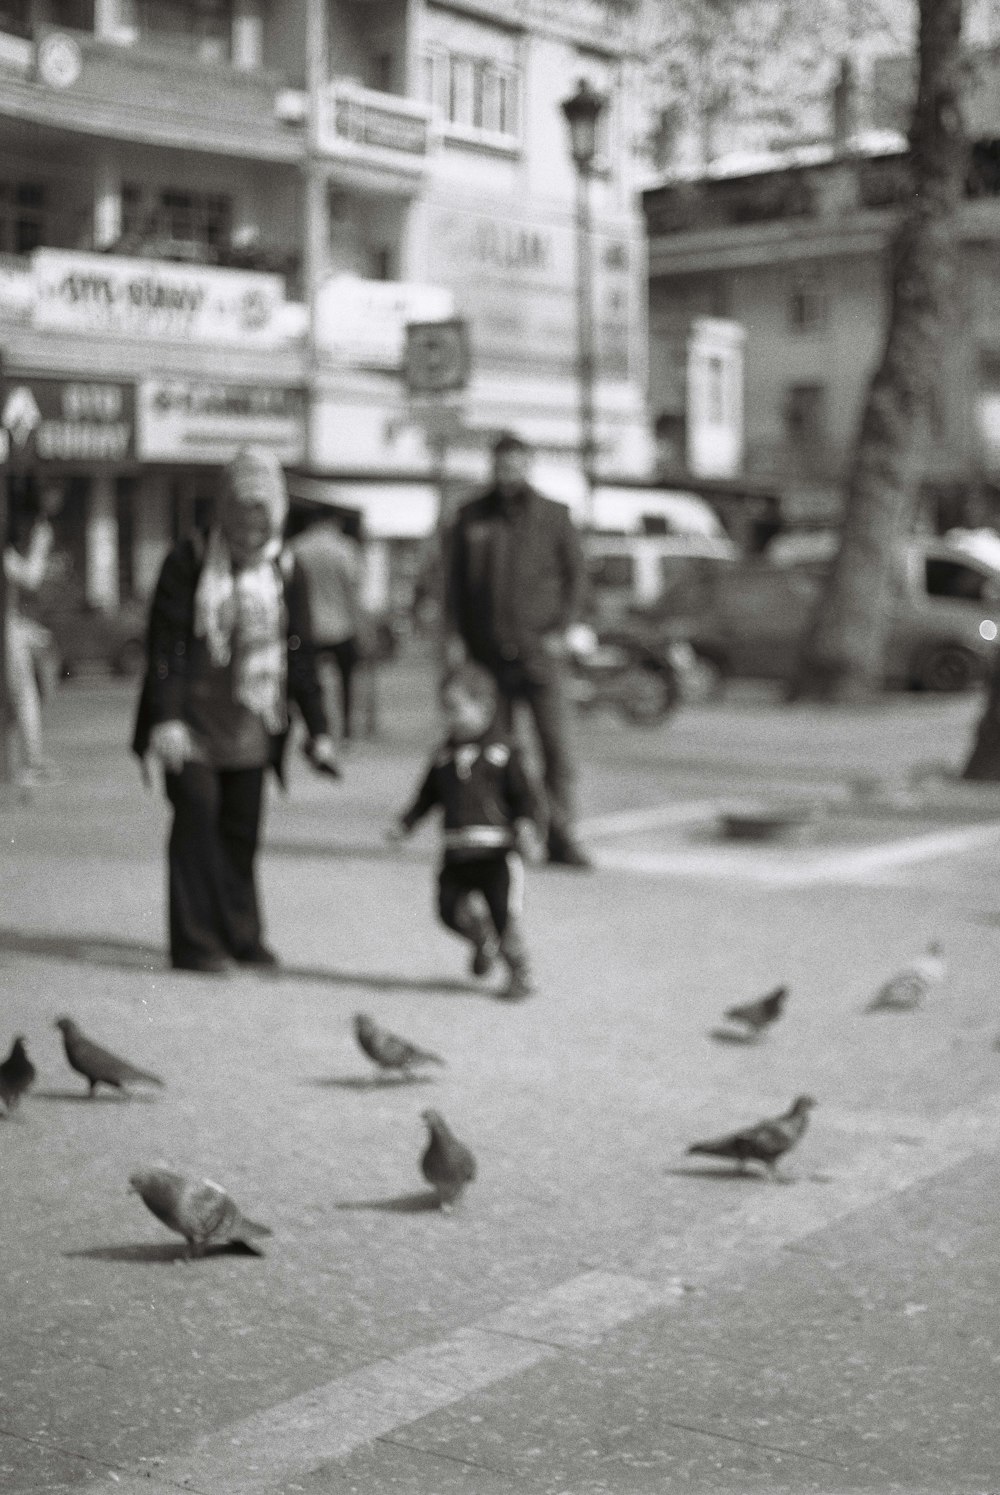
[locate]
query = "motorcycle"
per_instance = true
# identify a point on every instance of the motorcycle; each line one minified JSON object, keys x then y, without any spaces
{"x":617,"y":669}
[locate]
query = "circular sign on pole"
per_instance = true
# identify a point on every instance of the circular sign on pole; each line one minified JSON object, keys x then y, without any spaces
{"x":437,"y":356}
{"x":60,"y":61}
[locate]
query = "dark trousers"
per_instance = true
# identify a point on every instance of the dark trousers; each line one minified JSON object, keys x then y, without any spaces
{"x":548,"y":703}
{"x":498,"y":878}
{"x":213,"y":842}
{"x":345,"y":656}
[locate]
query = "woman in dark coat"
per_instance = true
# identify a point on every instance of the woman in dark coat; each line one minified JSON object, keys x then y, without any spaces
{"x":228,"y":646}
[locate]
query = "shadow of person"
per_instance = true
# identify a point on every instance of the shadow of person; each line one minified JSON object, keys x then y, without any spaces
{"x":117,"y":1097}
{"x":399,"y":1204}
{"x":733,"y":1035}
{"x":85,"y":949}
{"x":117,"y":954}
{"x":158,"y":1253}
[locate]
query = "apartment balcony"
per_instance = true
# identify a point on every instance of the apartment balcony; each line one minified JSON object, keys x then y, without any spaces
{"x":74,"y":81}
{"x":373,"y":140}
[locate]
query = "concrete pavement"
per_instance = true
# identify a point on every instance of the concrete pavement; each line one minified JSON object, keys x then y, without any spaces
{"x":599,"y":1315}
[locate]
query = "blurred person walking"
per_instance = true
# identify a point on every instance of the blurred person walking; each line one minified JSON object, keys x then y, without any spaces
{"x":26,"y":554}
{"x":513,"y":592}
{"x":331,"y":560}
{"x":228,"y":646}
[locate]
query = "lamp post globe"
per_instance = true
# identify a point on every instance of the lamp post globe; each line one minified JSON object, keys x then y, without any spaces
{"x":582,"y":111}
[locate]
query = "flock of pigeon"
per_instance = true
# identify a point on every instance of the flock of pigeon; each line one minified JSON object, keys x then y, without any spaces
{"x":207,"y":1217}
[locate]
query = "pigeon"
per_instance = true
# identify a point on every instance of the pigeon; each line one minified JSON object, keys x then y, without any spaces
{"x":17,"y":1074}
{"x":760,"y":1014}
{"x":386,"y":1049}
{"x":97,"y":1065}
{"x":199,"y":1210}
{"x":908,"y":988}
{"x":447,"y":1165}
{"x":765,"y":1142}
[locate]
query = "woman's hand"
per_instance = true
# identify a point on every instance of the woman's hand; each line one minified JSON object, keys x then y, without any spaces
{"x":173,"y":744}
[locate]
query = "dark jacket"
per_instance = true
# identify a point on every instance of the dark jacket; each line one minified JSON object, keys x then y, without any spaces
{"x":515,"y":572}
{"x":483,"y":789}
{"x":170,"y":642}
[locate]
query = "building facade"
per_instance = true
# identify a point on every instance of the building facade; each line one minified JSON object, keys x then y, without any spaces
{"x":794,"y":248}
{"x":216,"y":217}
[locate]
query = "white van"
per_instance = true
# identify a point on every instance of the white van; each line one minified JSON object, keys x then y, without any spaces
{"x":637,"y":570}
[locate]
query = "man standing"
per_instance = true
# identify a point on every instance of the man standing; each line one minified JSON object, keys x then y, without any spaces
{"x":515,"y":578}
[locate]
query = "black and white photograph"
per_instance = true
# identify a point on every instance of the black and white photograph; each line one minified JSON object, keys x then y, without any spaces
{"x":499,"y":747}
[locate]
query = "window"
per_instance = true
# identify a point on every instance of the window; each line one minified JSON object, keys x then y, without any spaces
{"x":200,"y":27}
{"x":474,"y":93}
{"x":15,"y":17}
{"x":805,"y":415}
{"x":23,"y":216}
{"x":614,"y":572}
{"x":177,"y":216}
{"x":808,"y":303}
{"x":946,"y":578}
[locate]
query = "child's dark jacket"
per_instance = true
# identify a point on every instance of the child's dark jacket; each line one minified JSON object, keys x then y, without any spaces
{"x":482,"y":787}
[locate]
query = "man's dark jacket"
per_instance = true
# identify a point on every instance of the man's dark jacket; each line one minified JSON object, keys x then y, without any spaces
{"x":171,"y":643}
{"x":515,"y":573}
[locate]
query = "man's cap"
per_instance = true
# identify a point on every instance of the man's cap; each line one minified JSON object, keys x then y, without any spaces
{"x":509,"y":441}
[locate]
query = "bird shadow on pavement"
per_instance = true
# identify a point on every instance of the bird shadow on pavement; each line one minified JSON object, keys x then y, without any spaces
{"x":158,"y":1253}
{"x":398,"y":1204}
{"x":367,"y":1082}
{"x":726,"y":1175}
{"x":115,"y":1097}
{"x":730,"y":1035}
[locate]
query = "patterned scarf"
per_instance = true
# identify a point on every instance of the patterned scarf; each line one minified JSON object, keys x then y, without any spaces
{"x":240,"y":615}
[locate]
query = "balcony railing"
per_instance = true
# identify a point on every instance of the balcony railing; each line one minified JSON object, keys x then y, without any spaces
{"x":369,"y":128}
{"x":82,"y":83}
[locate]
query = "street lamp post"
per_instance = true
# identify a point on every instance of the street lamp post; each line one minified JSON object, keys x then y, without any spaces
{"x":582,"y":112}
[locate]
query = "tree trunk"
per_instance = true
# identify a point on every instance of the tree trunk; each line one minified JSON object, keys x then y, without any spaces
{"x":844,"y":652}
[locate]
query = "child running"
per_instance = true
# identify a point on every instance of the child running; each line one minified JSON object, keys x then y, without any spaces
{"x":490,"y":811}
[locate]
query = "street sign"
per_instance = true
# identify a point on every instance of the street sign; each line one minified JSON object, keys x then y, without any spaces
{"x":437,"y":356}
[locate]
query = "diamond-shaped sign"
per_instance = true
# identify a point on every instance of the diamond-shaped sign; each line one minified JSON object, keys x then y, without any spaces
{"x":437,"y":356}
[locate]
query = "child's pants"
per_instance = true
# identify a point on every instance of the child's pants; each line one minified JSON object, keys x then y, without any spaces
{"x":500,"y":880}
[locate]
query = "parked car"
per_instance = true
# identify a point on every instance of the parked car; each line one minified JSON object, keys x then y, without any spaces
{"x":86,"y":638}
{"x":747,"y":618}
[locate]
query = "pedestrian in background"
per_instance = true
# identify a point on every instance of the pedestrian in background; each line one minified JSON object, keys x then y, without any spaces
{"x":331,"y":561}
{"x":228,"y":645}
{"x":477,"y":780}
{"x":514,"y":588}
{"x":26,"y":554}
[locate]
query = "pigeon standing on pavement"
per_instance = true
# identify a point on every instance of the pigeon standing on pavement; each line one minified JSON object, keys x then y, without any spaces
{"x":17,"y":1074}
{"x":97,"y":1065}
{"x":765,"y":1142}
{"x":386,"y":1049}
{"x":447,"y":1165}
{"x":908,"y":988}
{"x":760,"y":1014}
{"x":199,"y":1210}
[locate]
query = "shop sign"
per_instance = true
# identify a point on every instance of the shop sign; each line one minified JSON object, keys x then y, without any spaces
{"x":102,"y":293}
{"x":185,"y":420}
{"x":362,"y":323}
{"x":86,"y":421}
{"x":515,"y":280}
{"x":361,"y":121}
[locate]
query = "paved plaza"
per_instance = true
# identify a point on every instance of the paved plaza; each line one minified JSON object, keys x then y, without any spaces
{"x":601,"y":1313}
